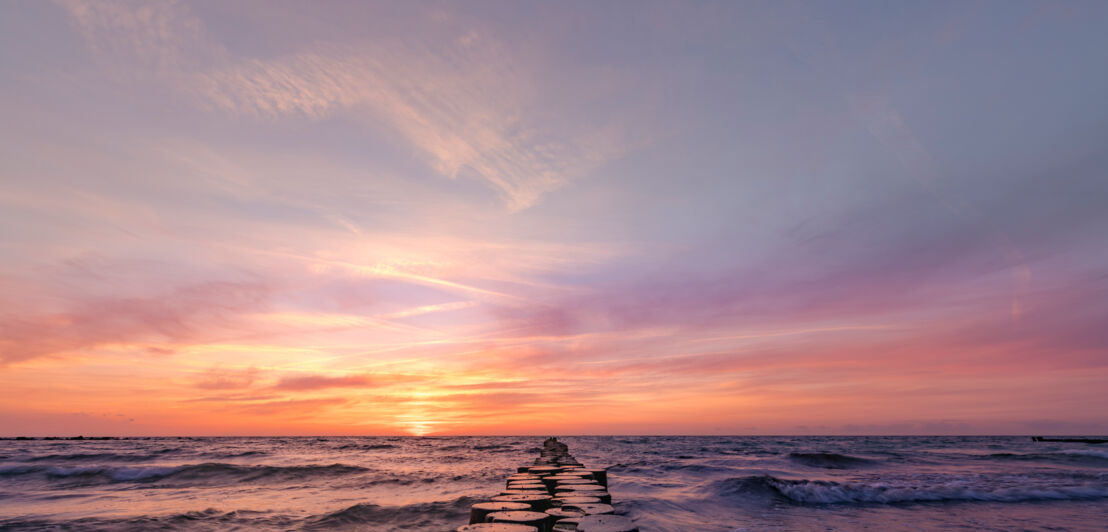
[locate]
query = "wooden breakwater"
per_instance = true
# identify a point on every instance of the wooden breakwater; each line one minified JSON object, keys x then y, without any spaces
{"x":556,"y":493}
{"x":1070,"y":440}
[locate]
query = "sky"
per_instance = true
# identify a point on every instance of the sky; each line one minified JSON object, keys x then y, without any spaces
{"x":421,"y":218}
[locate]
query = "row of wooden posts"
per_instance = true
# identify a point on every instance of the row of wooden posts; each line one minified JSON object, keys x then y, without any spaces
{"x":555,"y":494}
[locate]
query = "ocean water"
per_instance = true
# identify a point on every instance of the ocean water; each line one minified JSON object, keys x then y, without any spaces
{"x":664,"y":483}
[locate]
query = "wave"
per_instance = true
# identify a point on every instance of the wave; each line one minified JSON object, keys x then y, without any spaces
{"x":1079,"y":456}
{"x":692,"y":468}
{"x":371,"y":447}
{"x":952,"y":490}
{"x":207,"y":472}
{"x":636,"y":466}
{"x":420,"y":516}
{"x":210,"y":519}
{"x":248,"y":473}
{"x":237,"y":455}
{"x":1091,"y":453}
{"x":117,"y":457}
{"x":159,"y":454}
{"x":122,"y":474}
{"x":829,"y":460}
{"x":20,"y":470}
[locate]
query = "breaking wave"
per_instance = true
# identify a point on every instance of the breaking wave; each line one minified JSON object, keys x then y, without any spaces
{"x":829,"y":460}
{"x":415,"y":516}
{"x":210,"y":519}
{"x":421,"y":516}
{"x":1079,"y":456}
{"x":893,"y":492}
{"x":117,"y":457}
{"x":195,"y":472}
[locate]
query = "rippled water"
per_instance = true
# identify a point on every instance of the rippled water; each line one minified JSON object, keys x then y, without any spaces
{"x":664,"y":483}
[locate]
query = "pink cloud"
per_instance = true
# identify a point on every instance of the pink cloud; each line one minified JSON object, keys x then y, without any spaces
{"x":227,"y":379}
{"x":308,"y":382}
{"x":179,"y":316}
{"x":291,"y":407}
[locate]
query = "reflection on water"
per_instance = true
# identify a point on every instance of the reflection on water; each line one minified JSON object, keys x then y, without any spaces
{"x":664,"y":483}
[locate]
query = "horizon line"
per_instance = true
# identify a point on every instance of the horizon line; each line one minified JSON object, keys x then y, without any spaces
{"x":81,"y":436}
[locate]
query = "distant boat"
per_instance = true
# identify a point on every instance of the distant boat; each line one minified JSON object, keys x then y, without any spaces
{"x":1071,"y":440}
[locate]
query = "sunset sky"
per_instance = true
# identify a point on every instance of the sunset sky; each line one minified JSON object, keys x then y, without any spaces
{"x":286,"y":217}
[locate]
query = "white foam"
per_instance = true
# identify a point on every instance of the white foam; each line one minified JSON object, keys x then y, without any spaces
{"x":823,"y":492}
{"x":1098,"y":453}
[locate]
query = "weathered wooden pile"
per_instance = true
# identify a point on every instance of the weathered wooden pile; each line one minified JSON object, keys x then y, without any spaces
{"x":557,"y":493}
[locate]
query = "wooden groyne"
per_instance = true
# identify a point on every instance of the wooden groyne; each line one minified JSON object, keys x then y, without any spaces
{"x":556,"y":493}
{"x":1070,"y":440}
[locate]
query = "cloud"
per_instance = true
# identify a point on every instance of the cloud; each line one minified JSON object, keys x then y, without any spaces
{"x":428,"y":309}
{"x":319,"y":382}
{"x":25,"y":421}
{"x":291,"y":407}
{"x":472,"y":105}
{"x":161,"y":36}
{"x":308,"y":382}
{"x":217,"y":378}
{"x":233,"y":398}
{"x":470,"y":110}
{"x":177,"y":316}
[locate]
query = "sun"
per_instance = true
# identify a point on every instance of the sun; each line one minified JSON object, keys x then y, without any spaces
{"x":417,"y":424}
{"x":419,"y":428}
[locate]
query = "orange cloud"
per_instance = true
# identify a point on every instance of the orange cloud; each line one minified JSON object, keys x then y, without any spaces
{"x":319,"y":382}
{"x":181,"y":315}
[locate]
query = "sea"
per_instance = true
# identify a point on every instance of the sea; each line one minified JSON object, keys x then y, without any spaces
{"x":664,"y":483}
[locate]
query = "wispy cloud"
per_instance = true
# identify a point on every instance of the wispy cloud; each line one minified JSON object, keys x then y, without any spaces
{"x":163,"y":37}
{"x":217,"y":378}
{"x":439,"y":100}
{"x":183,"y":314}
{"x":468,"y":102}
{"x":291,"y":407}
{"x":302,"y":382}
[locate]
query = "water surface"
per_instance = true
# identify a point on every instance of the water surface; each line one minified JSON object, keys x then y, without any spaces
{"x":664,"y":483}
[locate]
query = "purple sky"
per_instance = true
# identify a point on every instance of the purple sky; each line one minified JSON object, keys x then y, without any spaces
{"x":268,"y":217}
